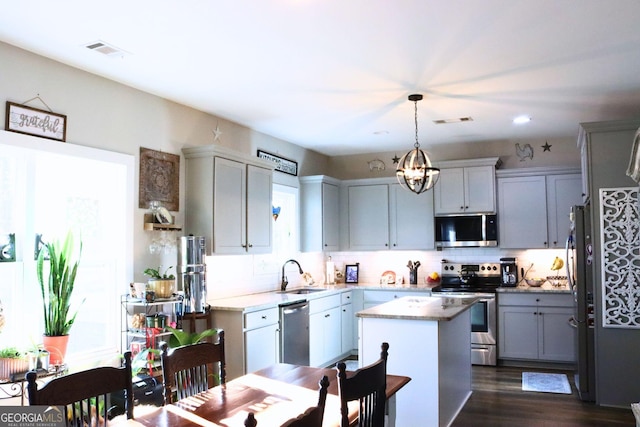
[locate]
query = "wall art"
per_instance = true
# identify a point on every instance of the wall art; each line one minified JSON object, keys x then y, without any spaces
{"x":620,"y":242}
{"x":36,"y":122}
{"x":159,"y":179}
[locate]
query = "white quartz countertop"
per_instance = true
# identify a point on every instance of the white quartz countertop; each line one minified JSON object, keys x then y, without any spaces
{"x":438,"y":308}
{"x":265,"y":300}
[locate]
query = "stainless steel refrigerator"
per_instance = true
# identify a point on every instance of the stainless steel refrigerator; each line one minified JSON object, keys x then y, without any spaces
{"x":579,"y":263}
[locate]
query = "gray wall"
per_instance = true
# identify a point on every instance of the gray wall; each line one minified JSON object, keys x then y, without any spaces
{"x":108,"y":115}
{"x":617,"y":350}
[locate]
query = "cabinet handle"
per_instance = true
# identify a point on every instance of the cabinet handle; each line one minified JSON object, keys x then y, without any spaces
{"x":325,"y":245}
{"x":244,"y":246}
{"x":555,"y":243}
{"x":250,"y":245}
{"x":386,"y":244}
{"x":466,"y":207}
{"x":327,"y":315}
{"x":395,"y":244}
{"x":461,"y":208}
{"x":264,"y":317}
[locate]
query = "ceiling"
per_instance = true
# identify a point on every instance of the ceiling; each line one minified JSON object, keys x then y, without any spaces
{"x":334,"y":75}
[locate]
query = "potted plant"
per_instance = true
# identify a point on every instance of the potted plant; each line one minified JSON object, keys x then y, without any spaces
{"x":12,"y":361}
{"x":162,"y":284}
{"x":56,"y":287}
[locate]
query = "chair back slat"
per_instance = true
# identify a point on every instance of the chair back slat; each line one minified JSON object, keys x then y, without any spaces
{"x":192,"y":369}
{"x":85,"y":395}
{"x":368,"y":386}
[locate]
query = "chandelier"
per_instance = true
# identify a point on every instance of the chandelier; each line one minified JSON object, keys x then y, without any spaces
{"x":414,"y":171}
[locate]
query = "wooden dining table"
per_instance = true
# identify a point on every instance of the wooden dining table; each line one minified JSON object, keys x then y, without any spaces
{"x":274,"y":394}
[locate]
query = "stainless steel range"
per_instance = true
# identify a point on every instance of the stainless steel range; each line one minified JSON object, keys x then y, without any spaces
{"x":481,"y":280}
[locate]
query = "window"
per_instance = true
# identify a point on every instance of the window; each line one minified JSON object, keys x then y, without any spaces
{"x":44,"y":191}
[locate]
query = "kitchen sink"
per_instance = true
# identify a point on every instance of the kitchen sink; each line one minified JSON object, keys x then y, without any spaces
{"x":302,"y":291}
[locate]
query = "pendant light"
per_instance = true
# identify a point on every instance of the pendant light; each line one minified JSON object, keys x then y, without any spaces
{"x":414,"y":171}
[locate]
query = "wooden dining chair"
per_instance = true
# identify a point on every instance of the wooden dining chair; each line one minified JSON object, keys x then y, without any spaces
{"x":192,"y":369}
{"x":367,"y":385}
{"x":85,"y":394}
{"x":251,"y":420}
{"x":313,"y":416}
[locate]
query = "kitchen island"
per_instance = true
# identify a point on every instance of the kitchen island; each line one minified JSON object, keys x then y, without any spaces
{"x":429,"y":341}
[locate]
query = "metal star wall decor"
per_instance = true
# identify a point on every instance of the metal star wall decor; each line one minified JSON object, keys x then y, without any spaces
{"x":217,"y":133}
{"x":546,"y":147}
{"x":396,"y":159}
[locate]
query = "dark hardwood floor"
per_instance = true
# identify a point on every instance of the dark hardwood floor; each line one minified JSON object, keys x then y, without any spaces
{"x":498,"y":400}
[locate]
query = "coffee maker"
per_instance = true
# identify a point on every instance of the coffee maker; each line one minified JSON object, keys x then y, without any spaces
{"x":508,"y":272}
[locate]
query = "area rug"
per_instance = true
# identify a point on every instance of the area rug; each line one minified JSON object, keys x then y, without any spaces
{"x":546,"y":383}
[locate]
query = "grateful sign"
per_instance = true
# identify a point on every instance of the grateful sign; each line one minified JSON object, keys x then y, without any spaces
{"x":33,"y":121}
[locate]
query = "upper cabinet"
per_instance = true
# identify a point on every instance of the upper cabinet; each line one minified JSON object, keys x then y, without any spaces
{"x":534,"y":206}
{"x":383,"y":215}
{"x":319,"y":213}
{"x":466,"y":186}
{"x":228,"y":200}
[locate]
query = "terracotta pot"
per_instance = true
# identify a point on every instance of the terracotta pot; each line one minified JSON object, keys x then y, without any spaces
{"x":57,"y":348}
{"x":8,"y":367}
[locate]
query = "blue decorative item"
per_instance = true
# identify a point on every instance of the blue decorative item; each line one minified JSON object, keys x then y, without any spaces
{"x":275,"y":211}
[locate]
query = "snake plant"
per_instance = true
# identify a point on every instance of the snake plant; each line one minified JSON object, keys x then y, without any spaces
{"x":56,"y":289}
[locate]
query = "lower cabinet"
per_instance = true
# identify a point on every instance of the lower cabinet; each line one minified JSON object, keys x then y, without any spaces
{"x":261,"y":339}
{"x":325,"y":335}
{"x":535,"y":326}
{"x":252,"y":339}
{"x":347,"y":322}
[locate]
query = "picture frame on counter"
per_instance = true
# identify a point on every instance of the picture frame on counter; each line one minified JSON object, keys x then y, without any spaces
{"x":282,"y":164}
{"x":351,"y":273}
{"x":35,"y":122}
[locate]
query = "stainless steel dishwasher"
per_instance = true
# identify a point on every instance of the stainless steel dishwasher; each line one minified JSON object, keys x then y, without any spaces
{"x":294,"y":333}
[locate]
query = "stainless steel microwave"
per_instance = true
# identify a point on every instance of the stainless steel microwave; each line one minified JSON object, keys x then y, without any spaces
{"x":466,"y":231}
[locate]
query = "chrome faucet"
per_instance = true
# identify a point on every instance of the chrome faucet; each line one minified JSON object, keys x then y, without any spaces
{"x":285,"y":282}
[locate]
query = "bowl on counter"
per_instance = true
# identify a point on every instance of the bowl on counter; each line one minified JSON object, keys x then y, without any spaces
{"x":558,"y":281}
{"x":535,"y":283}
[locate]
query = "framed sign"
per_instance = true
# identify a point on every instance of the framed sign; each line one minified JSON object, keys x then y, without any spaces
{"x":36,"y":122}
{"x":282,"y":165}
{"x":351,"y":273}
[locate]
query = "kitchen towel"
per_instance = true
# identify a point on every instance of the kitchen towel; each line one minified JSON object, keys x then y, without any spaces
{"x":547,"y":383}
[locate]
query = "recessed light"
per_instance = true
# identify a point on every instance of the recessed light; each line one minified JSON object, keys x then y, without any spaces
{"x":381,"y":132}
{"x":521,"y":120}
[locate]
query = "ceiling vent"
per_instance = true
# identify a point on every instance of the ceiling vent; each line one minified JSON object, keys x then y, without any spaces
{"x":106,"y":49}
{"x":459,"y":120}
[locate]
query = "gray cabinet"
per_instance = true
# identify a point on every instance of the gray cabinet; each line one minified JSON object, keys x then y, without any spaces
{"x":522,"y":210}
{"x":252,"y":339}
{"x":534,"y":205}
{"x":466,"y":186}
{"x":319,"y":214}
{"x":347,"y":323}
{"x":535,"y":326}
{"x":228,"y":200}
{"x":383,"y":215}
{"x":325,"y":342}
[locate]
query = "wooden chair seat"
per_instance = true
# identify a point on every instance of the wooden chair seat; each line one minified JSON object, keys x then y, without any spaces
{"x":192,"y":369}
{"x":368,"y":386}
{"x":86,"y":394}
{"x":313,"y":416}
